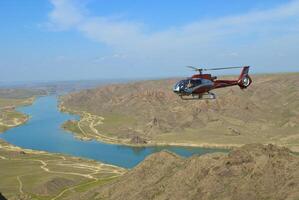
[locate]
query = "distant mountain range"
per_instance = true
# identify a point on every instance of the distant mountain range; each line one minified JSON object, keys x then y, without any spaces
{"x":15,"y":93}
{"x":59,"y":87}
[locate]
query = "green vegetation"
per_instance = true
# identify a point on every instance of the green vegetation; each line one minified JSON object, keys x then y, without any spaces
{"x":41,"y":175}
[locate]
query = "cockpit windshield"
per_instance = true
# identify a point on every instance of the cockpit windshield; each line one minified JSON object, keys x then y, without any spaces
{"x":186,"y":85}
{"x":181,"y":84}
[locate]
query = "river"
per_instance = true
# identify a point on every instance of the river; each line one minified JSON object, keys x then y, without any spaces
{"x":43,"y":132}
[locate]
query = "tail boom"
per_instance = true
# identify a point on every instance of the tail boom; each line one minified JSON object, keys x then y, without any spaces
{"x":243,"y":81}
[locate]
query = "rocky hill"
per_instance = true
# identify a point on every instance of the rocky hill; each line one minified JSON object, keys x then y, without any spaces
{"x":251,"y":172}
{"x":151,"y":111}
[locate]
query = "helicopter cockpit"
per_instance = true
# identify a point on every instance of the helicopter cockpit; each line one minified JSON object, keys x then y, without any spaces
{"x":187,"y":85}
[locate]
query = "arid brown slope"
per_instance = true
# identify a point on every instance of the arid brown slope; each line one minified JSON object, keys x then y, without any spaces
{"x":248,"y":173}
{"x":152,"y":111}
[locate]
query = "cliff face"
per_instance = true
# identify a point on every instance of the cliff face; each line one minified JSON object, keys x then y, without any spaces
{"x":251,"y":172}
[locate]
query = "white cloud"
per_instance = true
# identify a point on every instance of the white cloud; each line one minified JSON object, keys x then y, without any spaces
{"x":249,"y":38}
{"x":66,"y":14}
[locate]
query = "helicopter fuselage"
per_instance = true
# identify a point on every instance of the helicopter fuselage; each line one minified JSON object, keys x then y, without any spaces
{"x":201,"y":84}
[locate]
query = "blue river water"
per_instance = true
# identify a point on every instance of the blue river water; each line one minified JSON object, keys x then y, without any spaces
{"x":43,"y":132}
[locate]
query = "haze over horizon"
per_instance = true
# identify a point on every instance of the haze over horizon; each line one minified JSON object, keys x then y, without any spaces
{"x":62,"y":40}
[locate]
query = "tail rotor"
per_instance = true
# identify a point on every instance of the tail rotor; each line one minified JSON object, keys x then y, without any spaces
{"x":244,"y":79}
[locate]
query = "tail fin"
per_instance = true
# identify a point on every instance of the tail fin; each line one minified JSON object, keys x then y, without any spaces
{"x":244,"y":79}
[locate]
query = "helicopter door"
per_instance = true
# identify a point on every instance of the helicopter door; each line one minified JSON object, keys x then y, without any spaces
{"x":195,"y":82}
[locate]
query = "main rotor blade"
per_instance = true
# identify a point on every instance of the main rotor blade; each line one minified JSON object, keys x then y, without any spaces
{"x":220,"y":68}
{"x":194,"y":68}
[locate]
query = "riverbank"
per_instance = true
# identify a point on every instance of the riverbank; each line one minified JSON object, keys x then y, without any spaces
{"x":85,"y":129}
{"x":43,"y":132}
{"x":9,"y":117}
{"x":75,"y":127}
{"x":28,"y":174}
{"x":35,"y":174}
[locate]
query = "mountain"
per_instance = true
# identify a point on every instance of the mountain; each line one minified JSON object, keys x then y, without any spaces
{"x":268,"y":111}
{"x":251,"y":172}
{"x":55,"y":87}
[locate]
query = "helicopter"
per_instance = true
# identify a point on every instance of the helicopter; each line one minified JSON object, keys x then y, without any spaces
{"x":199,"y":85}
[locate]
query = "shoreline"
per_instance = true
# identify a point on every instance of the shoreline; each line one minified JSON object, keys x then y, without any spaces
{"x":11,"y":147}
{"x":46,"y":168}
{"x":126,"y":142}
{"x":150,"y":144}
{"x":27,"y":102}
{"x":178,"y":144}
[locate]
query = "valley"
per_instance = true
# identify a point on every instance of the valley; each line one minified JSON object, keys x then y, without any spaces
{"x":29,"y":174}
{"x":147,"y":118}
{"x":149,"y":100}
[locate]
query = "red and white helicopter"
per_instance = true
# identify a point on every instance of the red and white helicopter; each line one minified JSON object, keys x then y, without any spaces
{"x":199,"y":85}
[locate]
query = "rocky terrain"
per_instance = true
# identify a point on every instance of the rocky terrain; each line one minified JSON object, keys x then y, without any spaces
{"x":254,"y":171}
{"x":148,"y":112}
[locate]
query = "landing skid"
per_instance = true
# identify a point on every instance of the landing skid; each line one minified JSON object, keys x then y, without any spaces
{"x":208,"y":96}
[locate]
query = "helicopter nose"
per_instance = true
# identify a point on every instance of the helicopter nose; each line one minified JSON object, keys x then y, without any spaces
{"x":176,"y":89}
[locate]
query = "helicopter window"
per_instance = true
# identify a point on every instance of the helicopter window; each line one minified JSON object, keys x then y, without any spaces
{"x":181,"y":84}
{"x":196,"y":81}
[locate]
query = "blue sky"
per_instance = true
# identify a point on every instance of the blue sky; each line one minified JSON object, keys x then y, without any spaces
{"x":93,"y":39}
